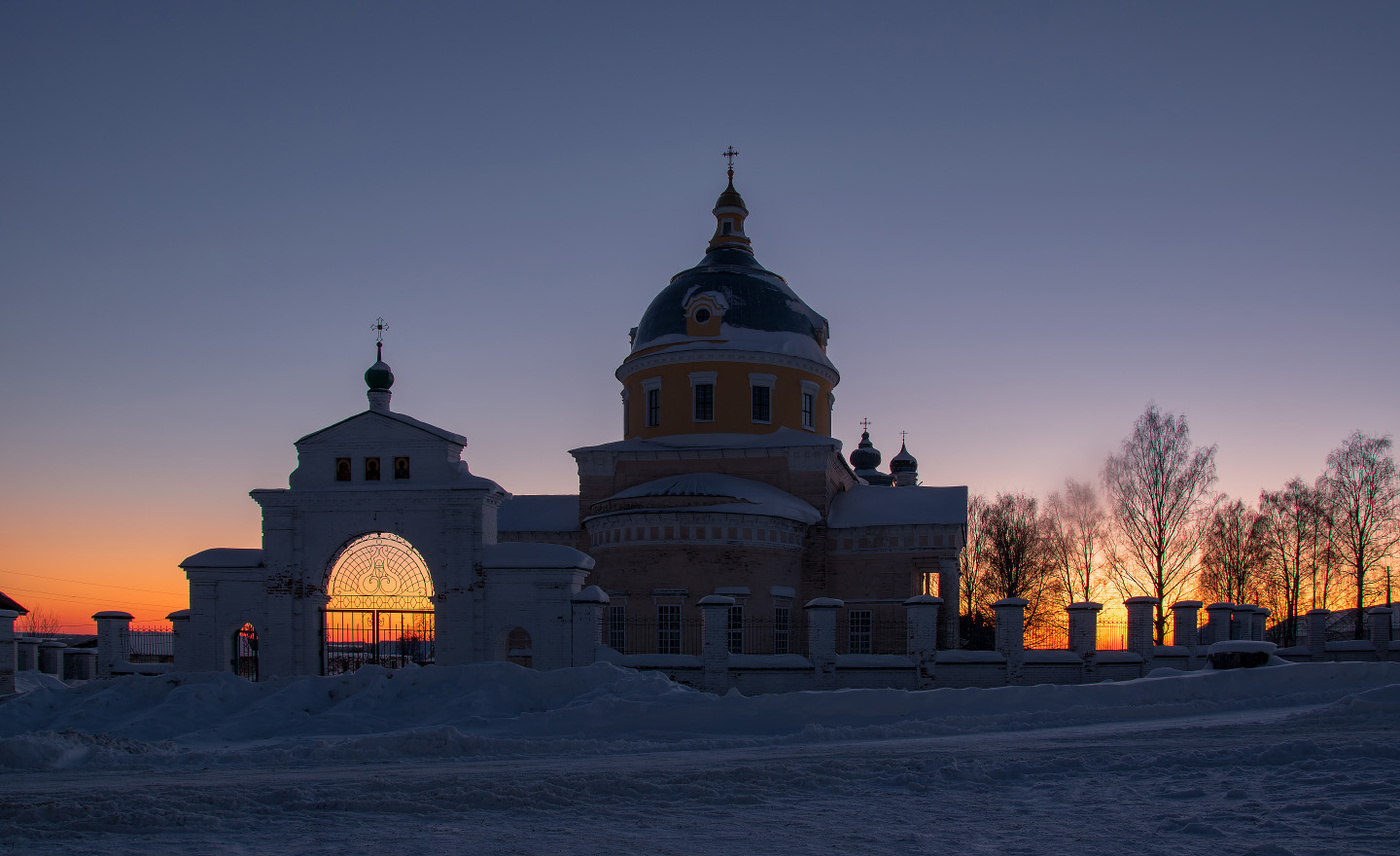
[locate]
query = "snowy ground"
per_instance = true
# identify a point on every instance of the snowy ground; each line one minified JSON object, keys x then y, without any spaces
{"x":1301,"y":759}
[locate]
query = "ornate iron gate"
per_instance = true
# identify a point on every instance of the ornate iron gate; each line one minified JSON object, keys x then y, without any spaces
{"x":383,"y":637}
{"x":245,"y":652}
{"x":381,"y":608}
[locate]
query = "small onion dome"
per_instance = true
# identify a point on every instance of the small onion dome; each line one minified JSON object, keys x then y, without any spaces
{"x":904,"y":462}
{"x":379,"y":376}
{"x":866,"y":456}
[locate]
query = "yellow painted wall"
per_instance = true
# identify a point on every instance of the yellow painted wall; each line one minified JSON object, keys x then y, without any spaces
{"x":733,"y":400}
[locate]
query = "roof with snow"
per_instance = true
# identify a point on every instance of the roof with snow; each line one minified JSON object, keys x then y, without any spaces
{"x":538,"y":513}
{"x":400,"y":418}
{"x":9,"y":603}
{"x":868,"y":505}
{"x":522,"y":555}
{"x":225,"y":557}
{"x":751,"y":497}
{"x":757,"y":301}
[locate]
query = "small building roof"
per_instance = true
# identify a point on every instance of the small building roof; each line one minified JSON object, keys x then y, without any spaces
{"x":6,"y":602}
{"x":868,"y":505}
{"x":524,"y":555}
{"x":782,"y":438}
{"x":538,"y":513}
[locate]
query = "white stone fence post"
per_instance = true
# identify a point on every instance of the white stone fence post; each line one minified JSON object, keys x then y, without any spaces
{"x":7,"y":651}
{"x":51,"y":657}
{"x":1260,"y":627}
{"x":1242,"y":622}
{"x":1084,"y":627}
{"x":1317,"y":633}
{"x":588,"y":608}
{"x":1379,"y":620}
{"x":1141,"y":639}
{"x":180,"y":638}
{"x":1011,"y":634}
{"x":113,"y":641}
{"x":1185,"y":618}
{"x":921,"y":622}
{"x":714,"y":641}
{"x":1218,"y":623}
{"x":821,"y":639}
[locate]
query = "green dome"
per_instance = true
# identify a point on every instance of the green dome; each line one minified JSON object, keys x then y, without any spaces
{"x":379,"y":376}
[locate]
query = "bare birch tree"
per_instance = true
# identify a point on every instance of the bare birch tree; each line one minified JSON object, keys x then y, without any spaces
{"x":1077,"y":528}
{"x":1363,"y":495}
{"x":1232,"y":555}
{"x":1157,"y":489}
{"x":971,"y":577}
{"x":1016,"y":561}
{"x":1288,"y":532}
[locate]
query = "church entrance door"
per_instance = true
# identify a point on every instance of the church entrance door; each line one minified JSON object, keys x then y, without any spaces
{"x":381,"y":606}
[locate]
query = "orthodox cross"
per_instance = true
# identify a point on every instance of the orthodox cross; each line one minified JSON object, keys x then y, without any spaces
{"x":903,"y":435}
{"x":379,"y":326}
{"x":729,"y":155}
{"x":865,"y":424}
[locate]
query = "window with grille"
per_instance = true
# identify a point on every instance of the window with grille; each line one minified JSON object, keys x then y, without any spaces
{"x":736,"y":629}
{"x":617,"y":628}
{"x":653,"y":408}
{"x":860,"y":631}
{"x":808,"y":410}
{"x":782,"y":630}
{"x":704,"y":402}
{"x":762,"y":404}
{"x":668,"y":628}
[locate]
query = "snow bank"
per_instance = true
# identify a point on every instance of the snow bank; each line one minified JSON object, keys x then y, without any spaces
{"x":502,"y":709}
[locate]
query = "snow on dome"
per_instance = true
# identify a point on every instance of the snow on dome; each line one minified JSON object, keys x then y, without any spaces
{"x":755,"y":301}
{"x":753,"y":497}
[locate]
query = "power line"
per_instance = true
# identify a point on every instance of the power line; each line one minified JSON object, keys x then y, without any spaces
{"x":80,"y":599}
{"x":84,"y":582}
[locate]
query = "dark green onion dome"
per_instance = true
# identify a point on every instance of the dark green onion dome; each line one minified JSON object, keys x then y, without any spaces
{"x":758,"y":310}
{"x":379,"y":376}
{"x":904,"y":462}
{"x":865,"y":457}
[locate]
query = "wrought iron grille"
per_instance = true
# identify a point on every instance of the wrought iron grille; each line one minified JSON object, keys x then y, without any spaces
{"x":381,"y":606}
{"x":382,"y":637}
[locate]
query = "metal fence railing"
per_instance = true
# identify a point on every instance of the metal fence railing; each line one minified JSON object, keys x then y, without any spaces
{"x":151,"y":643}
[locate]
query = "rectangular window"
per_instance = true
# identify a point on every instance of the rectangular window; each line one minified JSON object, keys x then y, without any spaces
{"x":668,"y":628}
{"x":617,"y":628}
{"x":736,"y":629}
{"x":860,"y":631}
{"x":653,"y":408}
{"x":782,"y":630}
{"x":401,"y":468}
{"x":371,"y":469}
{"x":762,"y":404}
{"x":342,"y":469}
{"x":704,"y":402}
{"x":808,"y":410}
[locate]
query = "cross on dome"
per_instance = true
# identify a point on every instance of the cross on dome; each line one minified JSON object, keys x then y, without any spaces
{"x":379,"y":326}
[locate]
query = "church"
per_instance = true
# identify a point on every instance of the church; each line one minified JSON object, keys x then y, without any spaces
{"x":726,"y":482}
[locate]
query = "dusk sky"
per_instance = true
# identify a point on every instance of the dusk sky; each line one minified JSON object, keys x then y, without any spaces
{"x":1024,"y":222}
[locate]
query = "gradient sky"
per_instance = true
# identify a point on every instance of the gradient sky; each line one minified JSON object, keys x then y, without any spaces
{"x":1024,"y":221}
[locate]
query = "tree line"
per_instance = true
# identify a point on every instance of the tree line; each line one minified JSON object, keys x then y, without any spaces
{"x":1152,"y":525}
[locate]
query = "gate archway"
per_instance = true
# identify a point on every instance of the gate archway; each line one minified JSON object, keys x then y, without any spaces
{"x":381,"y":606}
{"x":245,"y":652}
